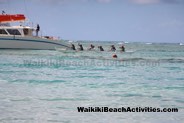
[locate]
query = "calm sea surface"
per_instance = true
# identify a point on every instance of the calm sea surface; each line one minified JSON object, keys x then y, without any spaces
{"x":48,"y":86}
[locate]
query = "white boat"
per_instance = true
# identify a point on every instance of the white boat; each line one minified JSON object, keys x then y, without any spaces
{"x":22,"y":37}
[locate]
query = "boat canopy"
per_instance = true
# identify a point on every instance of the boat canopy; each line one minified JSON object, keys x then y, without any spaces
{"x":5,"y":18}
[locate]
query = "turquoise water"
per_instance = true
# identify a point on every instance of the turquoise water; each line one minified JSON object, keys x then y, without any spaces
{"x":48,"y":86}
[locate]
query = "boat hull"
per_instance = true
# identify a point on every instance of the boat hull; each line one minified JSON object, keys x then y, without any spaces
{"x":30,"y":43}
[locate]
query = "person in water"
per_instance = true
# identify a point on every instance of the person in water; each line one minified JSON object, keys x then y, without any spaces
{"x":101,"y":48}
{"x":73,"y":47}
{"x":114,"y":56}
{"x":113,"y":48}
{"x":91,"y":47}
{"x":80,"y":47}
{"x":122,"y":48}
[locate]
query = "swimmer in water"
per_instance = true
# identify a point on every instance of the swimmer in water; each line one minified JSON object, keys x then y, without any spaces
{"x":114,"y":56}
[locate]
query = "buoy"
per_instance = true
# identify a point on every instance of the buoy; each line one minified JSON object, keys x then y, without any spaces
{"x":114,"y":56}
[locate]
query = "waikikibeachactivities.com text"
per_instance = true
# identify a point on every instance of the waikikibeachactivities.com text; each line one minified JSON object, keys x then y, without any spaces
{"x":92,"y":62}
{"x":125,"y":109}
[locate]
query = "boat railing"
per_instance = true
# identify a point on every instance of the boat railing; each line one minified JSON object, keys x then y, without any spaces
{"x":5,"y":24}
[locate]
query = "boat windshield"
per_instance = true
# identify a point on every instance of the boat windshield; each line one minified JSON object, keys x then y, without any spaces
{"x":26,"y":31}
{"x":3,"y":32}
{"x":13,"y":32}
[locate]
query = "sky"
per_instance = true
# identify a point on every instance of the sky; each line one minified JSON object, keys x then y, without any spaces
{"x":104,"y":20}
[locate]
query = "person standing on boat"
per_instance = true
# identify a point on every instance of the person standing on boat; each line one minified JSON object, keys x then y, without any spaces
{"x":37,"y":29}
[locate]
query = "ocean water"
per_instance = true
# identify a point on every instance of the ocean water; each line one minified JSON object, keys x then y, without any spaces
{"x":48,"y":86}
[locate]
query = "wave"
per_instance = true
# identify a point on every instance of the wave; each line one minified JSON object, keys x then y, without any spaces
{"x":70,"y":41}
{"x":136,"y":59}
{"x":181,"y":44}
{"x":166,"y":60}
{"x":120,"y":43}
{"x":149,"y":43}
{"x":170,"y":60}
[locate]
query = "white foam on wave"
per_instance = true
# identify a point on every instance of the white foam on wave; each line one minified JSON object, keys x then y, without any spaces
{"x":130,"y":51}
{"x":70,"y":41}
{"x":148,"y":43}
{"x":181,"y":44}
{"x":1,"y":80}
{"x":121,"y":43}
